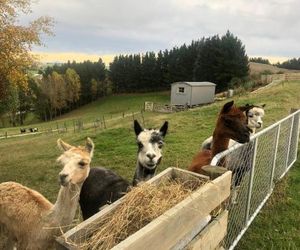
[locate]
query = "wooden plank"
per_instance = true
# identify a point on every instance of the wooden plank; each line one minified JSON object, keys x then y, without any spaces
{"x":213,"y":171}
{"x":166,"y":231}
{"x":186,"y":239}
{"x":212,"y":235}
{"x":61,"y":244}
{"x":185,"y":175}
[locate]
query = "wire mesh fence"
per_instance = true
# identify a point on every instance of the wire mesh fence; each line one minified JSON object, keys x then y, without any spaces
{"x":256,"y":167}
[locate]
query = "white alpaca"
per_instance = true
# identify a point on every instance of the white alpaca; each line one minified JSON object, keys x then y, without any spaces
{"x":254,"y":121}
{"x":31,"y":220}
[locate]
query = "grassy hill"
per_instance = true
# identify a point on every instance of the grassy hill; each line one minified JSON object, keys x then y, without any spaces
{"x":31,"y":160}
{"x":107,"y":107}
{"x":257,"y":68}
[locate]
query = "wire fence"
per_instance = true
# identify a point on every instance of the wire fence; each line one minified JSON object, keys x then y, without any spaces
{"x":75,"y":125}
{"x":256,"y":167}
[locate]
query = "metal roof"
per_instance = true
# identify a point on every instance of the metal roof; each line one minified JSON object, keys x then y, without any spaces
{"x":197,"y":83}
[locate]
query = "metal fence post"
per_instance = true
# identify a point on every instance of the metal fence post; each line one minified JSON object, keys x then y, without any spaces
{"x":289,"y":144}
{"x":274,"y":157}
{"x":249,"y":194}
{"x":298,"y":129}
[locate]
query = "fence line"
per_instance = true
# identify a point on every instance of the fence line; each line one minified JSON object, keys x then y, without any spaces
{"x":257,"y":166}
{"x":76,"y":126}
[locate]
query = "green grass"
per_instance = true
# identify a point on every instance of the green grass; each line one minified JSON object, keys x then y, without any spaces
{"x":277,"y":226}
{"x":30,"y":160}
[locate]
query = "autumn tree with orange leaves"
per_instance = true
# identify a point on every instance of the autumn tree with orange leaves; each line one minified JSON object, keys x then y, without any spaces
{"x":16,"y":42}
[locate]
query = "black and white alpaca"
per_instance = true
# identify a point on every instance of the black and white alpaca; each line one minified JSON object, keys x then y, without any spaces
{"x":150,"y":143}
{"x":254,"y":121}
{"x":104,"y":186}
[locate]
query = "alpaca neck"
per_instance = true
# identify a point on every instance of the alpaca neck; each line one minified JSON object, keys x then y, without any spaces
{"x":142,"y":173}
{"x":65,"y":207}
{"x":220,"y":143}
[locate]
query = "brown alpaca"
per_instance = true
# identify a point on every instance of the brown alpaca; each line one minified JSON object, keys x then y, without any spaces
{"x":231,"y":124}
{"x":31,"y":220}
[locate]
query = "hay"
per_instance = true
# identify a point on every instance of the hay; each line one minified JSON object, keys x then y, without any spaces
{"x":140,"y":206}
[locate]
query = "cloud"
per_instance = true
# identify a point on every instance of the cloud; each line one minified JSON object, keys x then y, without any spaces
{"x":132,"y":26}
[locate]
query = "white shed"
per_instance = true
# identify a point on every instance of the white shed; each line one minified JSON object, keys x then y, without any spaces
{"x":192,"y":93}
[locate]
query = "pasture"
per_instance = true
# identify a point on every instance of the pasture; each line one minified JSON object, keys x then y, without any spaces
{"x":30,"y":160}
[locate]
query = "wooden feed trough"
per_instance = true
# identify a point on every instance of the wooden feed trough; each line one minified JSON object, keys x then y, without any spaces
{"x":188,"y":225}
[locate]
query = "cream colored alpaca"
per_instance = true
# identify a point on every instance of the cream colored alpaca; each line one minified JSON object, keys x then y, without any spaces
{"x":31,"y":220}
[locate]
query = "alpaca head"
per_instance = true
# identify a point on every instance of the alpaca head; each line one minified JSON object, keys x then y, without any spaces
{"x":76,"y":162}
{"x":255,"y":115}
{"x":232,"y":122}
{"x":150,"y":143}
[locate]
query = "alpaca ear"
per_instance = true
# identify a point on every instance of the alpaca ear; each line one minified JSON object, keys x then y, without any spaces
{"x":163,"y":130}
{"x":263,"y":105}
{"x":246,"y":108}
{"x":137,"y":128}
{"x":89,"y":146}
{"x":63,"y":145}
{"x":227,"y":106}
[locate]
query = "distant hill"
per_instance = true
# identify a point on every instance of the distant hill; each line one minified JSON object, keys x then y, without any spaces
{"x":256,"y":68}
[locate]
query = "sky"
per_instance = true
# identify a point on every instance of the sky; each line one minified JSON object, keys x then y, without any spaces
{"x":89,"y":29}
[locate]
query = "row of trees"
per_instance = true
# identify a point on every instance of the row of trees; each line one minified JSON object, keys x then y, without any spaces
{"x":67,"y":86}
{"x":259,"y":60}
{"x":216,"y":59}
{"x":49,"y":96}
{"x":293,"y":63}
{"x":91,"y":74}
{"x":55,"y":93}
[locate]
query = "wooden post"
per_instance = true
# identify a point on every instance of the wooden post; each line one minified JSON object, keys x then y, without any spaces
{"x":104,"y":124}
{"x":95,"y":127}
{"x":142,"y":114}
{"x":6,"y":134}
{"x":293,"y":110}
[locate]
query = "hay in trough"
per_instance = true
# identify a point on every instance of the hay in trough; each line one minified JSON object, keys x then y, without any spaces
{"x":140,"y":206}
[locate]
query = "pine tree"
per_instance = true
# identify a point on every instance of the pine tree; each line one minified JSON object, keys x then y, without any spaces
{"x":221,"y":59}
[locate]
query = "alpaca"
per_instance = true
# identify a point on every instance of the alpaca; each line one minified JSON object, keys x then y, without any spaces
{"x":31,"y":220}
{"x":104,"y":186}
{"x":254,"y":121}
{"x":231,"y":124}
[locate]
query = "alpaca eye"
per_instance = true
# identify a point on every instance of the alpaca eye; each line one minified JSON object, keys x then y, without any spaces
{"x":140,"y":145}
{"x":160,"y":144}
{"x":81,"y":164}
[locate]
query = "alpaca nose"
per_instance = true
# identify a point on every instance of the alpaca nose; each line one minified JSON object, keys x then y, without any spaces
{"x":259,"y":124}
{"x":62,"y":178}
{"x":150,"y":156}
